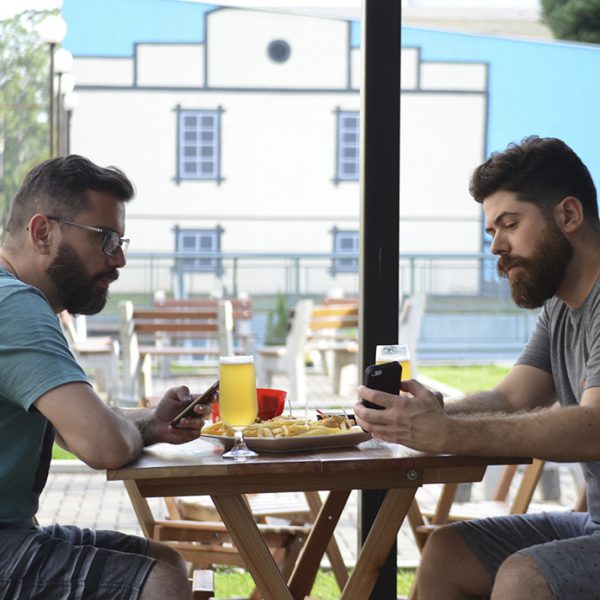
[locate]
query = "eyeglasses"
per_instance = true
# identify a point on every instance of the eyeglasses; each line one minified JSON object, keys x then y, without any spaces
{"x":111,"y":241}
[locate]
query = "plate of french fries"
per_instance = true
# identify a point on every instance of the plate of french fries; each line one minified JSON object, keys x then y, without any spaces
{"x":291,"y":434}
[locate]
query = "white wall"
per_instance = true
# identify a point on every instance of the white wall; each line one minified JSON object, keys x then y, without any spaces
{"x":278,"y":145}
{"x":237,"y":43}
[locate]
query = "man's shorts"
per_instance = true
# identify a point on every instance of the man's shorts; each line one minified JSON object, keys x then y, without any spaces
{"x":565,"y":546}
{"x":60,"y":563}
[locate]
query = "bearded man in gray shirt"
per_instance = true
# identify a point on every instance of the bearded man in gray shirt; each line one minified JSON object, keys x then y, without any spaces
{"x":541,"y":211}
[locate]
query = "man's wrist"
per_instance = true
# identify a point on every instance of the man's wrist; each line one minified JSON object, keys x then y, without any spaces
{"x":143,"y":425}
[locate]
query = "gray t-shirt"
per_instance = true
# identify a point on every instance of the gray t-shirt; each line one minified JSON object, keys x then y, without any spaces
{"x":566,"y":344}
{"x":34,"y":358}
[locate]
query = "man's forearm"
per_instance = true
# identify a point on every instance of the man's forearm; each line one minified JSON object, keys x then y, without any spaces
{"x":564,"y":435}
{"x":488,"y":402}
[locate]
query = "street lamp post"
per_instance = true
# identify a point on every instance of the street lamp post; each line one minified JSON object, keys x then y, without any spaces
{"x":52,"y":31}
{"x":63,"y":62}
{"x":70,"y":103}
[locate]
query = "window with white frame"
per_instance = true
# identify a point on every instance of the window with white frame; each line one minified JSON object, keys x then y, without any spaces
{"x":348,"y":141}
{"x":199,"y":144}
{"x":200,"y":244}
{"x":345,"y":242}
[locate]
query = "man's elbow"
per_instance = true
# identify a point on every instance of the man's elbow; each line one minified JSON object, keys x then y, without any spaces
{"x":111,"y":455}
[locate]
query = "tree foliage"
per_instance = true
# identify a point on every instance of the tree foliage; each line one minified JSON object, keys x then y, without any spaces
{"x":24,"y":68}
{"x":577,"y":20}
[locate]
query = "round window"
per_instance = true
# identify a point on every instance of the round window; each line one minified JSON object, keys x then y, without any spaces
{"x":279,"y":51}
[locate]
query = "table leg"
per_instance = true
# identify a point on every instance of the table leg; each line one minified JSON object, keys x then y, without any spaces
{"x":377,"y":545}
{"x":307,"y":566}
{"x":250,"y":544}
{"x":333,"y":550}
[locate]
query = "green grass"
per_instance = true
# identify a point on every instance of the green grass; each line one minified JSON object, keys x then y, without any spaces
{"x":59,"y":453}
{"x":237,"y":582}
{"x":472,"y":378}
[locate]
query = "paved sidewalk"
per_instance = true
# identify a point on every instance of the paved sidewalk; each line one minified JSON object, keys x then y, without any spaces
{"x":75,"y":494}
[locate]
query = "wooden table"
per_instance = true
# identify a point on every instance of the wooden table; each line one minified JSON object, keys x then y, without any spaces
{"x":371,"y":465}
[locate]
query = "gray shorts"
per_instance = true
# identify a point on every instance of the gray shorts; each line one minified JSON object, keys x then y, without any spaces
{"x":60,"y":563}
{"x":565,"y":546}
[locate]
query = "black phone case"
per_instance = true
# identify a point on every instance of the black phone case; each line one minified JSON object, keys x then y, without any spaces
{"x":385,"y":378}
{"x":206,"y":396}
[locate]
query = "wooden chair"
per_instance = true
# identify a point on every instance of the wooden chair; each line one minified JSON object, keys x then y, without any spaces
{"x":165,"y":334}
{"x":409,"y":324}
{"x":206,"y":543}
{"x":337,"y":326}
{"x":100,"y":354}
{"x":288,"y":359}
{"x":333,"y":332}
{"x":423,"y":523}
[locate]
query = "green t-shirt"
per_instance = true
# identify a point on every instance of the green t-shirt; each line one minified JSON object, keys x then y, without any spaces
{"x":34,"y":358}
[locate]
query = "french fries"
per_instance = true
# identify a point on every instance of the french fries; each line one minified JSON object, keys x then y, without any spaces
{"x":282,"y":426}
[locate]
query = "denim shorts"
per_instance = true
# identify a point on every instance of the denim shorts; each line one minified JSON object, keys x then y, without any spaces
{"x":68,"y":563}
{"x":565,"y":546}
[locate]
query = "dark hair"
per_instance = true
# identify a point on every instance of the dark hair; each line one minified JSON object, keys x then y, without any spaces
{"x":59,"y":186}
{"x":542,"y":171}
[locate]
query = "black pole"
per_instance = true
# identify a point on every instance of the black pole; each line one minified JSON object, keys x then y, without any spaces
{"x":380,"y":211}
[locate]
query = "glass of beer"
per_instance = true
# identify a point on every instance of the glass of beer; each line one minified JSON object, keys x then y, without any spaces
{"x":397,"y":353}
{"x":237,"y":400}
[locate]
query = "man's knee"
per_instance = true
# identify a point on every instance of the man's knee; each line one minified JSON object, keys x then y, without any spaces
{"x":442,"y":544}
{"x":520,"y":578}
{"x":166,"y":581}
{"x":449,"y":567}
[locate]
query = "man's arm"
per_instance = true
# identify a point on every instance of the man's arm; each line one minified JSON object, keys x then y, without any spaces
{"x":106,"y":438}
{"x":523,"y":388}
{"x":520,"y":421}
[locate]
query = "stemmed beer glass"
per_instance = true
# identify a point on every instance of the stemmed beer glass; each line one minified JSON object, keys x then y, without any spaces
{"x":395,"y":353}
{"x":238,"y":407}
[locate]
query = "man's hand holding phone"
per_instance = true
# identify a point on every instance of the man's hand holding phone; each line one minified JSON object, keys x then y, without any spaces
{"x":384,"y":378}
{"x":209,"y":396}
{"x":414,"y":416}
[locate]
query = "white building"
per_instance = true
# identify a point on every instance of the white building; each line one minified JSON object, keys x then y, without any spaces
{"x":247,"y":141}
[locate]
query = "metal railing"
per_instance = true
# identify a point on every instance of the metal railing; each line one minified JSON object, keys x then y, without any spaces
{"x":469,"y":311}
{"x":299,"y":275}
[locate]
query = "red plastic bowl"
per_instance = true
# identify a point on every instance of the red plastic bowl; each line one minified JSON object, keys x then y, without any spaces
{"x":270,"y":404}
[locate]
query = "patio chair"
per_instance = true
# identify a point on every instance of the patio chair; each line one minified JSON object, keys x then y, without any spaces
{"x":204,"y":543}
{"x":423,"y":523}
{"x":288,"y":359}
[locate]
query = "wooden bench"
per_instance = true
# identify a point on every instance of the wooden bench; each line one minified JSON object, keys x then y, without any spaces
{"x":242,"y":315}
{"x":165,"y":334}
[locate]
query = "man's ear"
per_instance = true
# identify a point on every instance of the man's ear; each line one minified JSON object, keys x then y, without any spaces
{"x":40,"y":233}
{"x":568,"y":214}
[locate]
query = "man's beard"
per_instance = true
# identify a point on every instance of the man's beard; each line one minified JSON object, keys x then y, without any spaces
{"x":78,"y":293}
{"x":542,"y":273}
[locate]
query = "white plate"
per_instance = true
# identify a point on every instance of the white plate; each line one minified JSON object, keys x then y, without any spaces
{"x":297,"y":443}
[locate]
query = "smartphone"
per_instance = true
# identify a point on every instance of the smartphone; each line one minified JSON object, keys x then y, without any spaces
{"x":385,"y":378}
{"x":205,"y":398}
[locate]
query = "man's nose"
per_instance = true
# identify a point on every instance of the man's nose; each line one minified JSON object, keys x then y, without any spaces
{"x":118,"y":259}
{"x":499,"y":245}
